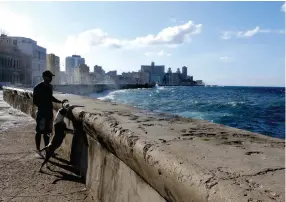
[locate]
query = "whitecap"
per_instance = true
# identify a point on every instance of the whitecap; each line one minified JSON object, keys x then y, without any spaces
{"x":234,"y":104}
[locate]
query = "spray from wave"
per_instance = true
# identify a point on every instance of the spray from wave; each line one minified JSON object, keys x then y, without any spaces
{"x":107,"y":95}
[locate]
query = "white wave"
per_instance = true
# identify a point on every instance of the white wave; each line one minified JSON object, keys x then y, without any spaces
{"x":107,"y":98}
{"x":235,"y":103}
{"x":196,"y":115}
{"x":108,"y":95}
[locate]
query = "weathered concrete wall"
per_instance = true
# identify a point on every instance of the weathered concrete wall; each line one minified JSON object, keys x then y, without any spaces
{"x":107,"y":177}
{"x":122,"y":150}
{"x":87,"y":89}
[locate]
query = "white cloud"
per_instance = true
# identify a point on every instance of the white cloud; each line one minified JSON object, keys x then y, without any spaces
{"x":283,"y":7}
{"x":248,"y":33}
{"x":226,"y":35}
{"x":169,"y":36}
{"x":160,"y":53}
{"x":225,"y":58}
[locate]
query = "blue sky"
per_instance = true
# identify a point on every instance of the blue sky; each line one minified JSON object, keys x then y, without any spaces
{"x":224,"y":43}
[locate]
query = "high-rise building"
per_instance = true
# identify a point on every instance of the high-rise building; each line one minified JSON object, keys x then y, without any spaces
{"x":98,"y":70}
{"x":184,"y":72}
{"x":200,"y":82}
{"x":178,"y":71}
{"x":82,"y":75}
{"x":53,"y":64}
{"x":156,"y":72}
{"x":63,"y":78}
{"x":112,"y":74}
{"x":71,"y":63}
{"x":38,"y":54}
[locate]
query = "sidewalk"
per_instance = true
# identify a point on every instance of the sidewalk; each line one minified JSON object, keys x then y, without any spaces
{"x":19,"y":176}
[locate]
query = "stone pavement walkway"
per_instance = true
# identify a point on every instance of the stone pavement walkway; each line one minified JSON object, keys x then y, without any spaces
{"x":19,"y":176}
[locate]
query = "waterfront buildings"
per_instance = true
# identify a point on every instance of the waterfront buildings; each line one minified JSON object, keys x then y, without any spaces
{"x":98,"y":70}
{"x":156,"y":72}
{"x":180,"y":79}
{"x":22,"y":60}
{"x":199,"y":82}
{"x":184,"y":72}
{"x":38,"y":54}
{"x":82,"y":75}
{"x":112,"y":74}
{"x":71,"y":63}
{"x":134,"y":78}
{"x":172,"y":78}
{"x":15,"y":66}
{"x":98,"y":74}
{"x":63,"y":78}
{"x":143,"y":77}
{"x":53,"y":64}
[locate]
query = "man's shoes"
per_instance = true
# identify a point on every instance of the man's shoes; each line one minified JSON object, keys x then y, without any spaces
{"x":39,"y":154}
{"x":53,"y":154}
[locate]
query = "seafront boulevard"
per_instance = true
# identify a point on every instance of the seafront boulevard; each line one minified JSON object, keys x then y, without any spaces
{"x":19,"y":176}
{"x":126,"y":154}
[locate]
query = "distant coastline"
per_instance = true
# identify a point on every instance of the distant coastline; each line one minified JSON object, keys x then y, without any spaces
{"x":183,"y":85}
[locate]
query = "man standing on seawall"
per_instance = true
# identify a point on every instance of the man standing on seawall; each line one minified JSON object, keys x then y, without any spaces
{"x":43,"y":98}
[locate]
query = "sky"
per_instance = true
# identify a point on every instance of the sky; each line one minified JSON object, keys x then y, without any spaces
{"x":222,"y":43}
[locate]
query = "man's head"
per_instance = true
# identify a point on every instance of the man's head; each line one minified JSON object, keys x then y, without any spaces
{"x":48,"y":76}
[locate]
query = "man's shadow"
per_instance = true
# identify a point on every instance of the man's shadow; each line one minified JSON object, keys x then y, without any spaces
{"x":62,"y":160}
{"x":74,"y":177}
{"x":79,"y":148}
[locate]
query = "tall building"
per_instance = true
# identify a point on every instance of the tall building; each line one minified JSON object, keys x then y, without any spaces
{"x":184,"y":72}
{"x":71,"y":63}
{"x":135,"y":77}
{"x":144,"y":77}
{"x":156,"y":73}
{"x":98,"y":70}
{"x":38,"y":54}
{"x":53,"y":64}
{"x":200,"y":82}
{"x":112,"y":74}
{"x":15,"y":66}
{"x":178,"y":71}
{"x":172,"y":78}
{"x":63,"y":78}
{"x":82,"y":75}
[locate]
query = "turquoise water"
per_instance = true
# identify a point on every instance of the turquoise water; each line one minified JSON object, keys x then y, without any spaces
{"x":256,"y":109}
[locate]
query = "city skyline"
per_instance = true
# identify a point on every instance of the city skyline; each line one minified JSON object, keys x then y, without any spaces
{"x":220,"y":42}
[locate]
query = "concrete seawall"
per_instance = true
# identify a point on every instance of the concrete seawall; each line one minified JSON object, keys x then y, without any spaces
{"x":126,"y":154}
{"x":97,"y":88}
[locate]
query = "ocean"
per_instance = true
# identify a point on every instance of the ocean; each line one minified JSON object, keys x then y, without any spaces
{"x":256,"y":109}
